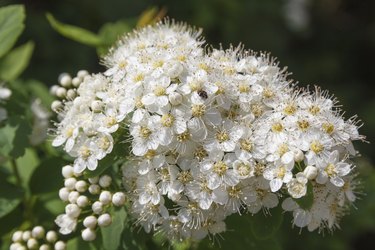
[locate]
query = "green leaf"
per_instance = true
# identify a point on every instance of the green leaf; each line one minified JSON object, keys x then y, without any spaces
{"x":15,"y":62}
{"x":10,"y":197}
{"x":306,"y":201}
{"x":111,"y":32}
{"x":78,"y":244}
{"x":264,"y":227}
{"x":111,"y":235}
{"x":75,"y":33}
{"x":26,"y":165}
{"x":50,"y":168}
{"x":11,"y":26}
{"x":14,"y":137}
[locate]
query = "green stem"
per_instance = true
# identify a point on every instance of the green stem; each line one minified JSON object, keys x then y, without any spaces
{"x":16,"y":172}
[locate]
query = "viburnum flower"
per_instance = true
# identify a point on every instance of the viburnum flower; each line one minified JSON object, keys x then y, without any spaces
{"x":212,"y":132}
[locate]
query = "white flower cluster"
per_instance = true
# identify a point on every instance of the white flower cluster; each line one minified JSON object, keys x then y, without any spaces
{"x":37,"y":238}
{"x":80,"y":196}
{"x":212,"y":133}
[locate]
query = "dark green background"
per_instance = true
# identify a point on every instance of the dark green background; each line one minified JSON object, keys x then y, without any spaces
{"x":336,"y":51}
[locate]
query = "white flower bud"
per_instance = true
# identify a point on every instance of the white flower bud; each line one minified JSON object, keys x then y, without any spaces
{"x":61,"y":92}
{"x":60,"y":245}
{"x":17,"y":236}
{"x":53,"y":89}
{"x":88,"y":234}
{"x":82,"y":201}
{"x":104,"y":220}
{"x":94,"y":189}
{"x":72,"y":210}
{"x":82,"y":73}
{"x":32,"y":243}
{"x":97,"y":207}
{"x":81,"y":186}
{"x":65,"y":80}
{"x":44,"y":247}
{"x":90,"y":222}
{"x":76,"y":82}
{"x":26,"y":235}
{"x":71,"y":94}
{"x":310,"y":172}
{"x":105,"y":197}
{"x":298,"y":155}
{"x":105,"y":181}
{"x":15,"y":246}
{"x":51,"y":236}
{"x":73,"y":196}
{"x":38,"y":232}
{"x":94,"y":180}
{"x":118,"y":199}
{"x":96,"y":106}
{"x":70,"y":183}
{"x":175,"y":98}
{"x":56,"y":105}
{"x":67,"y":171}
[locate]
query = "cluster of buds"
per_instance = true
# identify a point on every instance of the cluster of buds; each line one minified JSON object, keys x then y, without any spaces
{"x":36,"y":238}
{"x":212,"y":133}
{"x":88,"y":200}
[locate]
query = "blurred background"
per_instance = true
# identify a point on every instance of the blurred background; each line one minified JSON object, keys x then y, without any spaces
{"x":330,"y":43}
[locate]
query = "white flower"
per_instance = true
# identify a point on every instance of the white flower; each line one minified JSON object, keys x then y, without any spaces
{"x":278,"y":174}
{"x":333,"y":169}
{"x":66,"y":223}
{"x":297,"y":186}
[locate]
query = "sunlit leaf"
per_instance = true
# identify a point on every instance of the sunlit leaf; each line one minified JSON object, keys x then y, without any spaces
{"x":15,"y":62}
{"x":11,"y":26}
{"x":111,"y":235}
{"x":75,"y":33}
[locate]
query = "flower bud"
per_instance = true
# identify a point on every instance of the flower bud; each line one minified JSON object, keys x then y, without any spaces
{"x":81,"y":186}
{"x":94,"y":189}
{"x":105,"y":181}
{"x":82,"y":73}
{"x":44,"y":247}
{"x":32,"y":243}
{"x":26,"y":235}
{"x":15,"y":246}
{"x":51,"y":236}
{"x":76,"y":82}
{"x":17,"y":236}
{"x":82,"y":201}
{"x":175,"y":98}
{"x":65,"y":80}
{"x":88,"y":234}
{"x":104,"y":220}
{"x":53,"y":89}
{"x":60,"y":245}
{"x":67,"y":171}
{"x":56,"y":105}
{"x":96,"y":106}
{"x":105,"y":197}
{"x":71,"y":94}
{"x":97,"y":207}
{"x":298,"y":155}
{"x":61,"y":92}
{"x":73,"y":196}
{"x":72,"y":210}
{"x":38,"y":232}
{"x":90,"y":222}
{"x":94,"y":180}
{"x":118,"y":199}
{"x":70,"y":183}
{"x":310,"y":172}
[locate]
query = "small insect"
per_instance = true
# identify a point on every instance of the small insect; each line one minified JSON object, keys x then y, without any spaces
{"x":202,"y":94}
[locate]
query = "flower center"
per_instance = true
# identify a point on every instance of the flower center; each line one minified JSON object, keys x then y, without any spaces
{"x":290,"y":109}
{"x":159,"y":91}
{"x":328,"y":127}
{"x":222,"y":136}
{"x":330,"y":170}
{"x":314,"y":110}
{"x":246,"y":145}
{"x":303,"y":125}
{"x":198,"y":110}
{"x":145,"y":132}
{"x":268,"y":93}
{"x":277,"y":127}
{"x":316,"y":147}
{"x":167,"y":120}
{"x":200,"y":153}
{"x":183,"y":137}
{"x":220,"y":168}
{"x":281,"y":171}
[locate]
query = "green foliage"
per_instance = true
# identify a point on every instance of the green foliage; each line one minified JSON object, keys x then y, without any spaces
{"x":10,"y":197}
{"x":111,"y":235}
{"x":11,"y":26}
{"x":15,"y":62}
{"x":75,"y":33}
